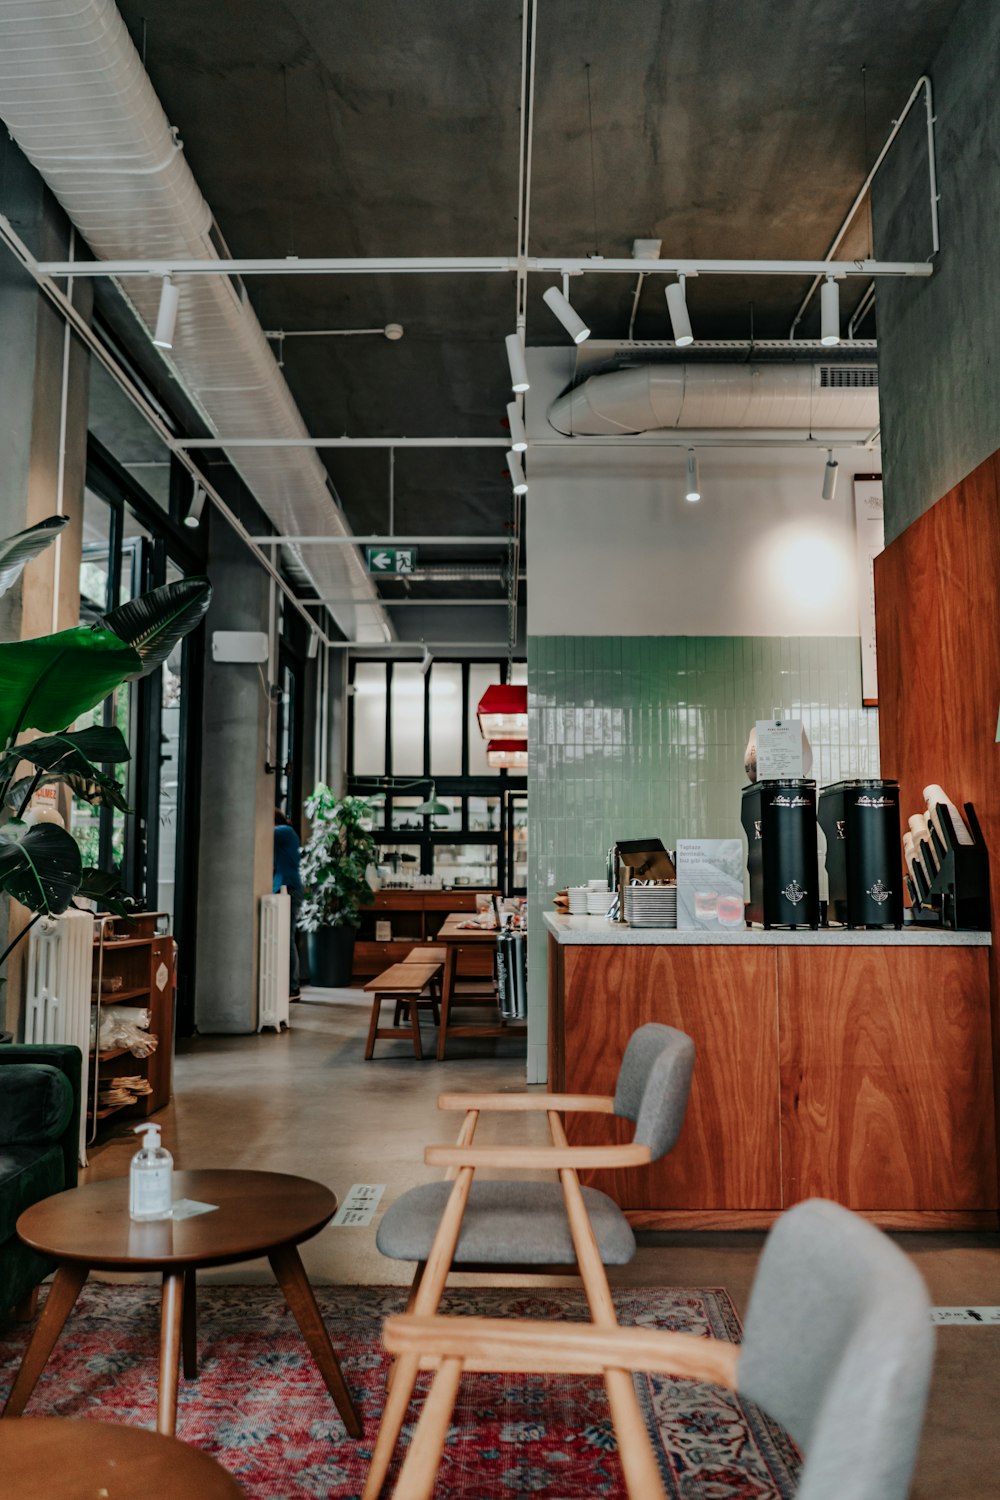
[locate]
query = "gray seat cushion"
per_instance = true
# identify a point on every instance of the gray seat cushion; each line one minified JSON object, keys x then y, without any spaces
{"x":505,"y":1223}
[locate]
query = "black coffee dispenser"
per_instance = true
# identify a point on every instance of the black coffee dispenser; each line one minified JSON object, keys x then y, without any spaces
{"x":863,"y":862}
{"x":779,"y":818}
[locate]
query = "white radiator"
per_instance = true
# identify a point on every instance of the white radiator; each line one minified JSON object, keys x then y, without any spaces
{"x":57,"y":1002}
{"x":272,"y":981}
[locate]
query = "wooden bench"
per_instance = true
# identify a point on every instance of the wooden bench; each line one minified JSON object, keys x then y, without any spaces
{"x":407,"y":984}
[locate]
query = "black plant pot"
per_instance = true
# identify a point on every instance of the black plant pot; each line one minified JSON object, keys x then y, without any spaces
{"x":331,"y":956}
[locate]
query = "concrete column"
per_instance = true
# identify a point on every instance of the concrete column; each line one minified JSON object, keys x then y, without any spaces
{"x":236,"y":850}
{"x":44,"y":376}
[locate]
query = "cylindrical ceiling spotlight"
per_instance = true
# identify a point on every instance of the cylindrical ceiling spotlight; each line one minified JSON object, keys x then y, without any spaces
{"x":677,"y":308}
{"x":312,"y":649}
{"x":517,"y":479}
{"x":829,"y":307}
{"x":515,"y":358}
{"x":568,"y":317}
{"x":193,"y":517}
{"x":693,"y":490}
{"x":518,"y":436}
{"x":830,"y":475}
{"x":166,"y":317}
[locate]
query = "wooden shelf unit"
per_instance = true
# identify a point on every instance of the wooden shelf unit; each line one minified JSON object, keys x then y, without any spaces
{"x":416,"y":917}
{"x":144,"y":959}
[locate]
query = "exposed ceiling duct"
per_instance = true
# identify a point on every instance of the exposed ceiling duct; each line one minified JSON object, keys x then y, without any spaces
{"x":722,"y":397}
{"x":76,"y":99}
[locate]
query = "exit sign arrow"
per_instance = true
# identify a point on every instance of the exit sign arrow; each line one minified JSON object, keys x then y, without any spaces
{"x":391,"y":560}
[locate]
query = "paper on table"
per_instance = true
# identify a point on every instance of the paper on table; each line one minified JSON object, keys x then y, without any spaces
{"x":189,"y":1208}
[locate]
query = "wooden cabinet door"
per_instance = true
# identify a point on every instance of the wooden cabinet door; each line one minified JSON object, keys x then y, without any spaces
{"x":886,"y":1077}
{"x":724,"y":997}
{"x":161,"y":1006}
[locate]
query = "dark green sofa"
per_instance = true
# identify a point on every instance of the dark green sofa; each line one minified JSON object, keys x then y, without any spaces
{"x":39,"y":1145}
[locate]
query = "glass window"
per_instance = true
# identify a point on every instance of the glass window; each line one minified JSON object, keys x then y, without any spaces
{"x":398,"y":864}
{"x":127,"y":435}
{"x":369,"y":718}
{"x":407,"y":719}
{"x":466,"y":864}
{"x":404,"y":812}
{"x":484,"y":814}
{"x":481,"y":674}
{"x":518,"y":674}
{"x":446,"y":719}
{"x":95,"y":559}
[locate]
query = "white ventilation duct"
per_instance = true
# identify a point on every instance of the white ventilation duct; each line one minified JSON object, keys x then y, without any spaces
{"x":721,"y":397}
{"x":76,"y":99}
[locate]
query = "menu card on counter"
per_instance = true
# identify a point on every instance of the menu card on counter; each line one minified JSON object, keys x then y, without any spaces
{"x":710,"y":884}
{"x":779,"y":749}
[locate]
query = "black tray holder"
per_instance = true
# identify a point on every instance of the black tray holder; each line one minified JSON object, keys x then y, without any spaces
{"x":959,"y":894}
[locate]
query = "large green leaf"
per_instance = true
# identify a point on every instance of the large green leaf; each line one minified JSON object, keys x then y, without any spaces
{"x":40,"y":866}
{"x":154,"y":623}
{"x":95,"y":787}
{"x":47,"y":683}
{"x":18,"y":550}
{"x":105,"y":888}
{"x":79,"y":750}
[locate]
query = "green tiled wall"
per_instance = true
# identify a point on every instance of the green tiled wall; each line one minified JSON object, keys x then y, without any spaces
{"x":636,"y":735}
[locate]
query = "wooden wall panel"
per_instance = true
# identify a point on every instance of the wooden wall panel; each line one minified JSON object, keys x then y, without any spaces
{"x":725,"y":999}
{"x":937,"y":590}
{"x":886,"y":1077}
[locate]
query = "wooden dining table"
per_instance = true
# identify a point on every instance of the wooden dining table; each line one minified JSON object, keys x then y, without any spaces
{"x":461,"y":931}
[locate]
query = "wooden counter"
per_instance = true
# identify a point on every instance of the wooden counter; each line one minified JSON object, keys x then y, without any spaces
{"x":416,"y":917}
{"x":852,"y":1066}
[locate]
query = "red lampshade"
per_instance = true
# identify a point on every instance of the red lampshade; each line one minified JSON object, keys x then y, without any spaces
{"x":507,"y":755}
{"x":503,"y":710}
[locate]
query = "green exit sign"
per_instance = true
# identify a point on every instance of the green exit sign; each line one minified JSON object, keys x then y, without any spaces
{"x":391,"y":559}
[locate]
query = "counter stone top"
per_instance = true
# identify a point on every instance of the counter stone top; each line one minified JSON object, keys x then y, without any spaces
{"x":598,"y":931}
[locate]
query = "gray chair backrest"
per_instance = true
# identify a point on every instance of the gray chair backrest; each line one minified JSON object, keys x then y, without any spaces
{"x":654,"y":1081}
{"x":838,"y":1348}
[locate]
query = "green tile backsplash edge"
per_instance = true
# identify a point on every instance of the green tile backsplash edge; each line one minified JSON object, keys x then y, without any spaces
{"x":636,"y":735}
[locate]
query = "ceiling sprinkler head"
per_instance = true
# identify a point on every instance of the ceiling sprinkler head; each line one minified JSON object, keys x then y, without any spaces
{"x":393,"y":331}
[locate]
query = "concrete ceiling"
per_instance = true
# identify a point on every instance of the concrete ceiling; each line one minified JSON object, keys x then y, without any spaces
{"x":390,"y":127}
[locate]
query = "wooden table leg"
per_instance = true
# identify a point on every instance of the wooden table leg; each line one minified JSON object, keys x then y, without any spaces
{"x":189,"y":1328}
{"x":418,"y":1048}
{"x":65,"y":1289}
{"x":171,"y":1319}
{"x":373,"y":1028}
{"x":291,"y":1277}
{"x":447,"y":990}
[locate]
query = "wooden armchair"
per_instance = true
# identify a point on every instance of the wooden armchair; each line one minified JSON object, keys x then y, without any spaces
{"x":529,"y":1227}
{"x":838,"y":1349}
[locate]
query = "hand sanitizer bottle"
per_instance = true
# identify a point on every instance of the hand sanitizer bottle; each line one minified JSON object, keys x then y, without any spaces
{"x":151,"y":1191}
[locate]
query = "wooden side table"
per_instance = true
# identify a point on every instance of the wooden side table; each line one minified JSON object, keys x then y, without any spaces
{"x":82,"y":1460}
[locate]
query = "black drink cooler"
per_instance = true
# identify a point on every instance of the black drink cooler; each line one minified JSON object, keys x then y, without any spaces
{"x":863,"y":862}
{"x":779,"y":819}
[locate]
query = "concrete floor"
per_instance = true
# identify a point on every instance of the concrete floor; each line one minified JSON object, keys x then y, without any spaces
{"x":306,"y":1102}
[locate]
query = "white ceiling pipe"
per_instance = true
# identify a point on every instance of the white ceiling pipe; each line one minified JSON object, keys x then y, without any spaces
{"x":110,"y":157}
{"x":232,"y":440}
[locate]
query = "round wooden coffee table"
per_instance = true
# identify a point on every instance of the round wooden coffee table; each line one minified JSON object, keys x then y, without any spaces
{"x":256,"y":1213}
{"x":72,"y":1460}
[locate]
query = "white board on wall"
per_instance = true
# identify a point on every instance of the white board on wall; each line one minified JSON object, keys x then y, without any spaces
{"x":870,"y":532}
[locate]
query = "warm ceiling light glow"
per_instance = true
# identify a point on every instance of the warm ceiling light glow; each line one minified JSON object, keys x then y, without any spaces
{"x":677,"y":308}
{"x":693,"y":488}
{"x":515,"y":358}
{"x":507,"y":755}
{"x":503,"y":712}
{"x":830,"y":475}
{"x":518,"y":436}
{"x":166,"y":317}
{"x":567,"y":314}
{"x":829,"y":310}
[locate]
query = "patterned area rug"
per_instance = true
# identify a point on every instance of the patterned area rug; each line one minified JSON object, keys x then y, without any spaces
{"x":261,"y":1409}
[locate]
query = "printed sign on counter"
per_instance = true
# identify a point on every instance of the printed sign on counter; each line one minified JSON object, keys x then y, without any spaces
{"x":710,"y":884}
{"x":779,"y":749}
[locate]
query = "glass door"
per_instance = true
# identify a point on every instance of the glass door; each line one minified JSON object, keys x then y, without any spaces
{"x":516,"y":843}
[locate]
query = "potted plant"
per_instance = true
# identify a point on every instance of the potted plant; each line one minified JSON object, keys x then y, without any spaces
{"x":335,"y":864}
{"x":46,"y":684}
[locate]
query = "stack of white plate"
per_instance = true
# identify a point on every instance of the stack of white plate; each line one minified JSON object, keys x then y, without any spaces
{"x":651,"y":905}
{"x":598,"y":902}
{"x":578,"y":900}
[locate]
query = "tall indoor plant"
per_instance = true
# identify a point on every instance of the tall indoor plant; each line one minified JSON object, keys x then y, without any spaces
{"x":335,"y":863}
{"x":46,"y":684}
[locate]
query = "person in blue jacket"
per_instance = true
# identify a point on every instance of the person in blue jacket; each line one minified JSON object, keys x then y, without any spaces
{"x":286,"y":873}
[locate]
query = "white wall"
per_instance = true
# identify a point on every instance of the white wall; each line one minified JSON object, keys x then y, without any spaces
{"x":613,"y":548}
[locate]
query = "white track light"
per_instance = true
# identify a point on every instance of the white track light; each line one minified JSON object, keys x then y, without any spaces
{"x":312,"y":649}
{"x":568,"y":317}
{"x":693,"y":491}
{"x":517,"y":479}
{"x":518,"y":436}
{"x":829,"y":306}
{"x":515,"y":358}
{"x":166,"y":317}
{"x":193,"y":517}
{"x":677,"y":308}
{"x":830,"y":475}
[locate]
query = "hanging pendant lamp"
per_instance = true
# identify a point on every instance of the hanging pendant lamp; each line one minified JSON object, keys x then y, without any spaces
{"x":503,"y":712}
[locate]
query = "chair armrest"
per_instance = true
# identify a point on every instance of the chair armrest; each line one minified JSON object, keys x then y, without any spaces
{"x":68,"y":1060}
{"x":598,"y":1104}
{"x":517,"y":1345}
{"x":535,"y":1158}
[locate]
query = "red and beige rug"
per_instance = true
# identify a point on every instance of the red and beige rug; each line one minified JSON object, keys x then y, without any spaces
{"x":261,"y":1409}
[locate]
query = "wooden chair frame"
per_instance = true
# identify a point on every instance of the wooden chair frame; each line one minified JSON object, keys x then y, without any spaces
{"x":461,"y":1160}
